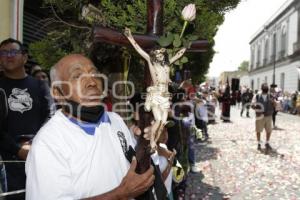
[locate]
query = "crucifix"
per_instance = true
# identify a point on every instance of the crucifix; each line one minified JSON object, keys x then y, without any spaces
{"x":147,"y":42}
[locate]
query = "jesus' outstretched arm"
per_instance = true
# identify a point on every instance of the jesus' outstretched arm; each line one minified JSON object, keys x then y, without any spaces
{"x":178,"y":55}
{"x":137,"y":47}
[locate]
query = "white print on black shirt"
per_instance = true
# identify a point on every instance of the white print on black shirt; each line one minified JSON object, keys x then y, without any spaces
{"x":19,"y":100}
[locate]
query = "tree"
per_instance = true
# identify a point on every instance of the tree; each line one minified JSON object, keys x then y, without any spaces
{"x":69,"y":32}
{"x":244,"y":66}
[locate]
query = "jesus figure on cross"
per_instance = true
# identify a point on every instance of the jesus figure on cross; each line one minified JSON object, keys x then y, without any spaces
{"x":158,"y":96}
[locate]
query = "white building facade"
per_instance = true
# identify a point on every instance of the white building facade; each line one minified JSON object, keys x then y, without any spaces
{"x":245,"y":81}
{"x":275,"y":50}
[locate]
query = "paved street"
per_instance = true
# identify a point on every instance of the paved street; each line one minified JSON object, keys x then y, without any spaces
{"x":232,"y":168}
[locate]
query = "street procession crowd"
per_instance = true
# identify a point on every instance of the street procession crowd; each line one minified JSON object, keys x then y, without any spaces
{"x":58,"y":141}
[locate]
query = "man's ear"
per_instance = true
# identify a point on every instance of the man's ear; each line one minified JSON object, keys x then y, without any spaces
{"x":56,"y":93}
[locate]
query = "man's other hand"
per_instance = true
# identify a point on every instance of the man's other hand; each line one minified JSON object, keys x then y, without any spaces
{"x":134,"y":184}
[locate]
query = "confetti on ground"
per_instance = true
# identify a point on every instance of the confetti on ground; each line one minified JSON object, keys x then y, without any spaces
{"x":232,"y":168}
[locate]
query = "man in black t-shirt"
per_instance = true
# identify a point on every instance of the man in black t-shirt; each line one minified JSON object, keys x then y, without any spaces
{"x":27,"y":105}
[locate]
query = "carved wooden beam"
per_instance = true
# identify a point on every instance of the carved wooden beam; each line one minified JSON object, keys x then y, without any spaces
{"x":147,"y":42}
{"x":110,"y":36}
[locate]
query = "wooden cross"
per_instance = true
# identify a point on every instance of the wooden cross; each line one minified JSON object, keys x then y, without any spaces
{"x":154,"y":29}
{"x":147,"y":42}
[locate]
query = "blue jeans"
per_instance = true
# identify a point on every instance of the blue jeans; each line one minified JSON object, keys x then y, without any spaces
{"x":191,"y":149}
{"x":286,"y":107}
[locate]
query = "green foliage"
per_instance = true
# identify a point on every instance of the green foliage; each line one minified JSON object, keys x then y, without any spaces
{"x":210,"y":15}
{"x":173,"y":42}
{"x":50,"y":54}
{"x":244,"y":66}
{"x":120,"y":14}
{"x":58,"y":43}
{"x":166,"y":40}
{"x":65,"y":38}
{"x":199,"y":64}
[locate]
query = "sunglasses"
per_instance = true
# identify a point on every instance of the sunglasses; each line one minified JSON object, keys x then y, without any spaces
{"x":10,"y":53}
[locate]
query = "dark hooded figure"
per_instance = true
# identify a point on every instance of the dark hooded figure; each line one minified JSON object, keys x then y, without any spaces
{"x":226,"y":100}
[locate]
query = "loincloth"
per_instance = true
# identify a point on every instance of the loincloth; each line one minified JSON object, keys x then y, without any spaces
{"x":158,"y":98}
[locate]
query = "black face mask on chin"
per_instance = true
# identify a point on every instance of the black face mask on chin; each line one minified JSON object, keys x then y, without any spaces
{"x":90,"y":114}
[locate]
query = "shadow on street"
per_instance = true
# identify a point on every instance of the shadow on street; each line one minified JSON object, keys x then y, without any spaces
{"x":272,"y":153}
{"x":206,"y":153}
{"x":204,"y":190}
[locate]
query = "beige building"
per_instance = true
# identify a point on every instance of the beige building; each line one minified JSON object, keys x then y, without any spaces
{"x":230,"y":75}
{"x":11,"y":15}
{"x":21,"y":20}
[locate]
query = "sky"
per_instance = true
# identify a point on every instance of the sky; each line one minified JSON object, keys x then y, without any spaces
{"x":233,"y":37}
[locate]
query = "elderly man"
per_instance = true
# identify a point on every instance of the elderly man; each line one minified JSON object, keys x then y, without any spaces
{"x":81,"y":151}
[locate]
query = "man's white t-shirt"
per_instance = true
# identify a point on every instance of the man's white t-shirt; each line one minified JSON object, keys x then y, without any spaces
{"x":65,"y":162}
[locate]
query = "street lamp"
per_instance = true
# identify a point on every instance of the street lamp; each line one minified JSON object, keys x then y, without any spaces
{"x":298,"y":70}
{"x":274,"y":59}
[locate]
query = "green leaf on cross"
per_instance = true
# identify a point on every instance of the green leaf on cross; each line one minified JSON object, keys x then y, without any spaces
{"x":187,"y":43}
{"x":184,"y":59}
{"x":165,"y":41}
{"x":177,"y":42}
{"x":176,"y":37}
{"x":177,"y":62}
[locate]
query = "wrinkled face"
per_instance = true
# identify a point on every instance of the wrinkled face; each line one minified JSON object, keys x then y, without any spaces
{"x":81,"y":82}
{"x":11,"y":57}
